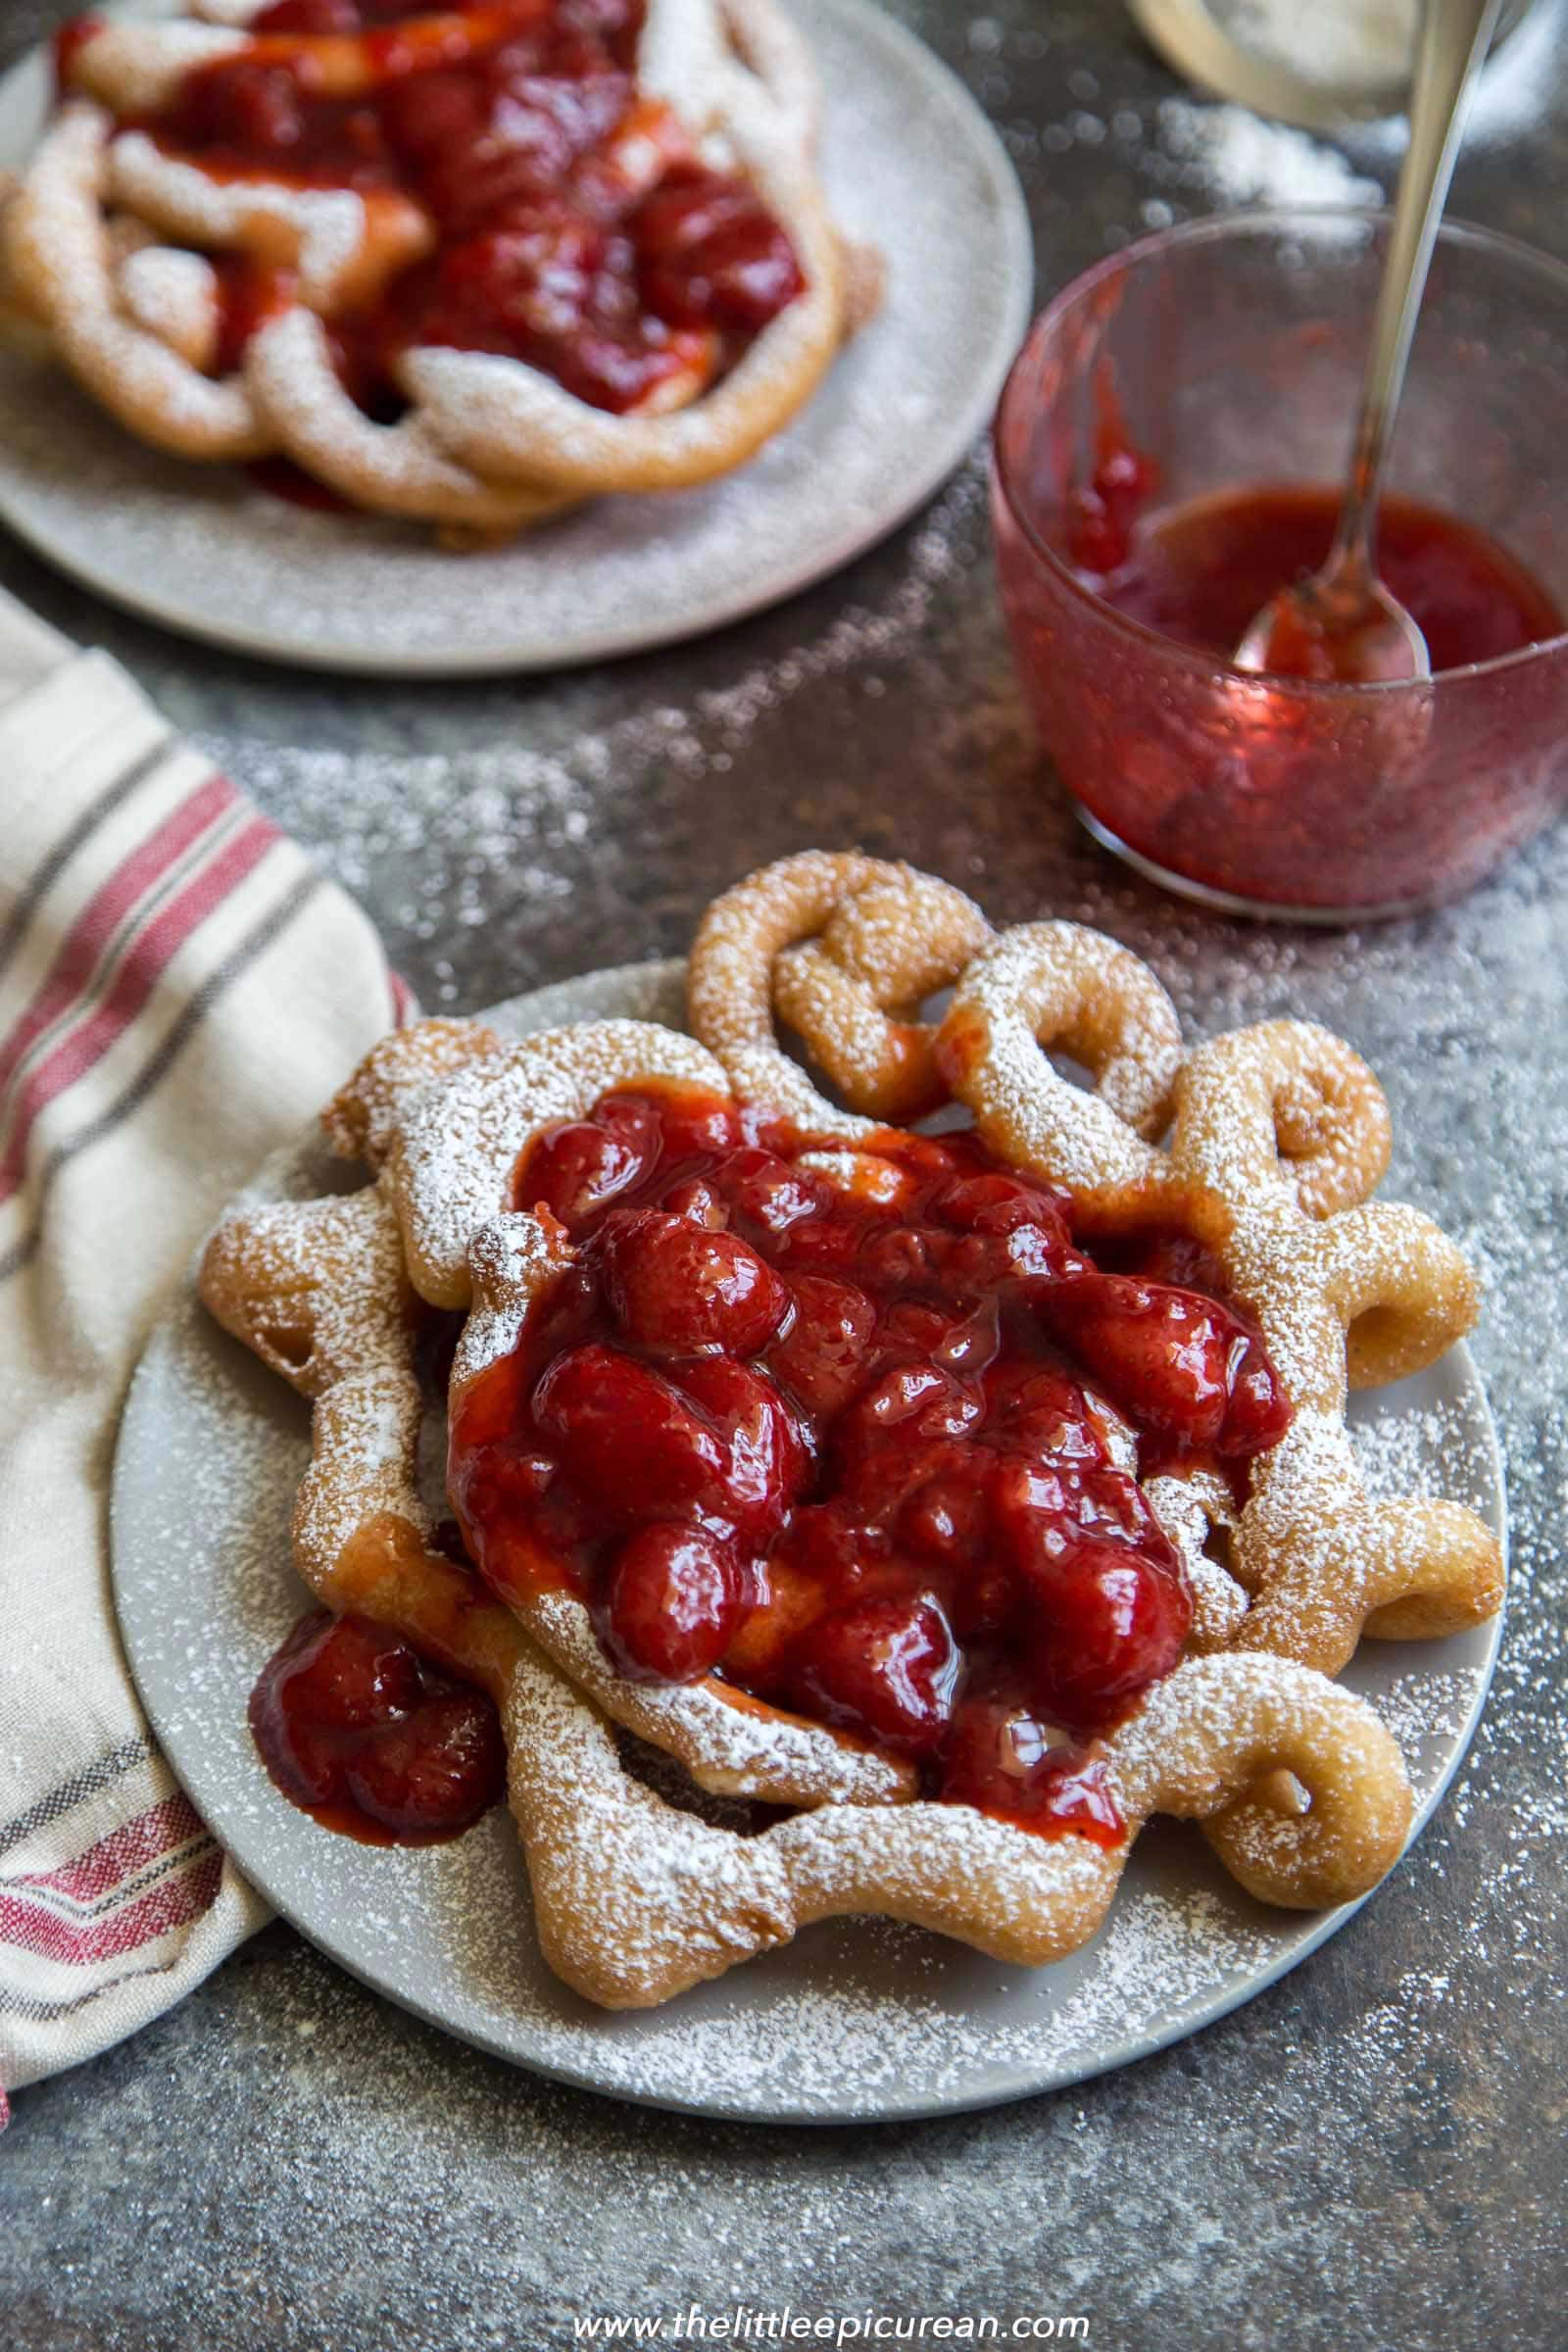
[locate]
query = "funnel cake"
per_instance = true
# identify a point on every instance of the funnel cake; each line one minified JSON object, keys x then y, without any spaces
{"x":972,"y":1496}
{"x":637,"y":1898}
{"x":469,"y":266}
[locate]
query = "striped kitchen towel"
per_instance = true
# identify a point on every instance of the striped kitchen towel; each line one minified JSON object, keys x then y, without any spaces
{"x":179,"y":990}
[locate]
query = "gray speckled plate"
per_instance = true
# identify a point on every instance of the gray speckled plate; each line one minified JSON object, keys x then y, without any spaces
{"x":856,"y":2019}
{"x":910,"y":162}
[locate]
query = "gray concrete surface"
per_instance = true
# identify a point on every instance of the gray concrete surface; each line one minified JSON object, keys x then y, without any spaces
{"x":1370,"y":2155}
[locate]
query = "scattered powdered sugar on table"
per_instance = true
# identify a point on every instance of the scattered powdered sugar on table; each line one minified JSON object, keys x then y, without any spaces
{"x":1236,"y":157}
{"x":511,"y":814}
{"x":1202,"y":155}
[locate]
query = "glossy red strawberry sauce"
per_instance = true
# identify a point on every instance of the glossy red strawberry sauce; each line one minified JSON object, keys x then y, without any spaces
{"x":852,"y":1453}
{"x":1201,"y":572}
{"x":363,"y":1733}
{"x":519,"y":129}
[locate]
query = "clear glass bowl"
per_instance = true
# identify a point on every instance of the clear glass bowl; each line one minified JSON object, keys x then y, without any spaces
{"x":1230,"y":353}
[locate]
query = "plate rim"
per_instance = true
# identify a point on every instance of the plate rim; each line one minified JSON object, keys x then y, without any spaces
{"x":872,"y":25}
{"x":1011,"y":2081}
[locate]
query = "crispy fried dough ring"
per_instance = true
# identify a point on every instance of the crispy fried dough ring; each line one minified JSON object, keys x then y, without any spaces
{"x":884,"y":948}
{"x":1326,"y":1564}
{"x":834,"y":942}
{"x":174,"y":294}
{"x":1335,"y":1747}
{"x":1061,"y":986}
{"x":392,"y":469}
{"x":22,"y":325}
{"x":58,"y":260}
{"x":315,"y":1288}
{"x":362,"y":1119}
{"x":134,"y":67}
{"x":1284,"y":1097}
{"x":344,"y":244}
{"x":1401,"y":1290}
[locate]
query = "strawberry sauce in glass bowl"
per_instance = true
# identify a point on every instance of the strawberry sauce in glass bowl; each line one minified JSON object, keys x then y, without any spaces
{"x":870,"y":1452}
{"x":1170,"y":448}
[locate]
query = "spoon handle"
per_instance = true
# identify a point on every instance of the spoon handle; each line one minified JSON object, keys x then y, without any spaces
{"x":1455,"y":36}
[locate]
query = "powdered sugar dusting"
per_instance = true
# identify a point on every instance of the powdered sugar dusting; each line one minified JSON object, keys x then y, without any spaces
{"x":136,"y":74}
{"x":1396,"y":1456}
{"x":512,"y":1259}
{"x":1060,"y":985}
{"x":833,"y":946}
{"x":174,"y":294}
{"x":830,"y":942}
{"x":727,"y":1747}
{"x":1244,"y":160}
{"x":327,"y":224}
{"x":452,"y":1161}
{"x":316,"y":1287}
{"x":60,"y":250}
{"x":852,"y":2019}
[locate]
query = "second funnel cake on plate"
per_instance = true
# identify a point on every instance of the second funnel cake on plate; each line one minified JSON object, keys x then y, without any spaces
{"x":469,"y":265}
{"x":970,"y":1496}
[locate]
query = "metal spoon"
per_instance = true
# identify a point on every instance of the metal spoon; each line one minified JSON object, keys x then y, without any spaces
{"x":1342,"y":624}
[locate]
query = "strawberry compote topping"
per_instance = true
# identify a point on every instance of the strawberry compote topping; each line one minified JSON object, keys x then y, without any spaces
{"x":844,"y":1451}
{"x":574,"y":225}
{"x":362,"y":1731}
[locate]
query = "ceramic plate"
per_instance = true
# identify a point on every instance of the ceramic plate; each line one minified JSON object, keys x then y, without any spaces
{"x":856,"y":2019}
{"x":910,"y":161}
